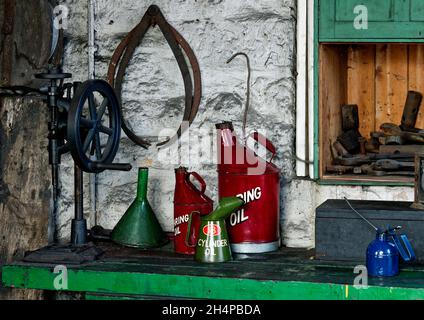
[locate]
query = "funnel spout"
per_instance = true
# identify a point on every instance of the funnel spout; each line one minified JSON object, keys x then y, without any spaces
{"x":225,"y":207}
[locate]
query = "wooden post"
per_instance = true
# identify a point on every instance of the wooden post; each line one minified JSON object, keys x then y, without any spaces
{"x":24,"y":167}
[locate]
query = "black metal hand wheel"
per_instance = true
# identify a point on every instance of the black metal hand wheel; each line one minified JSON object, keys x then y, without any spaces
{"x":94,"y":126}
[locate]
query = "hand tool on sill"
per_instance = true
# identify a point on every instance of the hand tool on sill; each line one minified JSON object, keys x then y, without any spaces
{"x":338,"y":169}
{"x":352,"y":161}
{"x":179,"y":46}
{"x":393,"y":140}
{"x":405,"y":149}
{"x":362,"y":148}
{"x":388,"y":164}
{"x":394,"y":248}
{"x":350,"y":136}
{"x":391,"y":129}
{"x":356,"y":160}
{"x":372,"y":145}
{"x":410,"y":111}
{"x":350,"y":117}
{"x":341,"y":151}
{"x":370,"y":170}
{"x":350,"y":141}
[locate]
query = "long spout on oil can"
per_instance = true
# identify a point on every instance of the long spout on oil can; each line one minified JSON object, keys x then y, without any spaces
{"x":361,"y":216}
{"x":225,"y":207}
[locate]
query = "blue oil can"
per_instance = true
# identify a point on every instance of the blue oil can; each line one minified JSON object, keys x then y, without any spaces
{"x":384,"y":252}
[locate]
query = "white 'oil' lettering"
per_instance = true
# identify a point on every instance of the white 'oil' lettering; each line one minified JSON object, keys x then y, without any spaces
{"x":248,"y":196}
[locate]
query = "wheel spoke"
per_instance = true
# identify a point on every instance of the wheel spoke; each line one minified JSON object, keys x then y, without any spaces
{"x":88,"y":140}
{"x":106,"y":130}
{"x":98,"y":146}
{"x":92,"y":107}
{"x":86,"y":123}
{"x":92,"y":148}
{"x":102,"y":109}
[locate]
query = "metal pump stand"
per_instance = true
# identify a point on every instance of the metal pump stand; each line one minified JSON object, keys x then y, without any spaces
{"x":88,"y":125}
{"x":56,"y":143}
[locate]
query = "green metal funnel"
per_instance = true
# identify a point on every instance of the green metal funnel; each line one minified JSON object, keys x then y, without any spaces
{"x":139,"y":226}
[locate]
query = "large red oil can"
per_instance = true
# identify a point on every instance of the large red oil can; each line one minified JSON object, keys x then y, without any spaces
{"x":187,"y":199}
{"x":242,"y":173}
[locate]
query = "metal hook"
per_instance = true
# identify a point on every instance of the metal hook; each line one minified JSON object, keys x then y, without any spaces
{"x":248,"y":87}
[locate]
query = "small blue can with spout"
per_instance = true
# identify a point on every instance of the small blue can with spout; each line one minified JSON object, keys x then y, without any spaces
{"x":384,"y":252}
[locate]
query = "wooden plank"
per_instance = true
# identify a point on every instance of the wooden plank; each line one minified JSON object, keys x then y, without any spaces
{"x":391,"y":82}
{"x":332,"y":95}
{"x":416,"y":75}
{"x":24,"y":182}
{"x":361,"y":85}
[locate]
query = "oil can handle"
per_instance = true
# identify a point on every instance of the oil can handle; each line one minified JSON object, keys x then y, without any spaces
{"x":188,"y":233}
{"x":409,"y":254}
{"x":259,"y":138}
{"x":201,"y":181}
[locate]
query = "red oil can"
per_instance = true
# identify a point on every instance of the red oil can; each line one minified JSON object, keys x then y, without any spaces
{"x":187,"y":198}
{"x":241,"y":173}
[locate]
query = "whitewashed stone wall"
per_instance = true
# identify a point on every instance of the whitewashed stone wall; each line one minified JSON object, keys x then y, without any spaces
{"x":153,"y":98}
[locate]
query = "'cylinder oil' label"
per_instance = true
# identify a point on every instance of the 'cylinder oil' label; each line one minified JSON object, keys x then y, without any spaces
{"x":211,"y":241}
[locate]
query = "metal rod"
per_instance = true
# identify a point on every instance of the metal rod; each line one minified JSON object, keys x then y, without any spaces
{"x":54,"y":209}
{"x":54,"y":156}
{"x":91,"y":75}
{"x":367,"y":221}
{"x":246,"y":110}
{"x":79,"y":224}
{"x":78,"y":189}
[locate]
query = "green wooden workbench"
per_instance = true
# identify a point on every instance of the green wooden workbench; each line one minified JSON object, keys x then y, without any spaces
{"x":288,"y":274}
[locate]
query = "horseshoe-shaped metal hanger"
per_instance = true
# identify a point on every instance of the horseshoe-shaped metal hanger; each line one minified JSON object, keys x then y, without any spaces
{"x":125,"y":51}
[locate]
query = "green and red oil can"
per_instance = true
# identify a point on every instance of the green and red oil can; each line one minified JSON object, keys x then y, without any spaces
{"x":213,"y":245}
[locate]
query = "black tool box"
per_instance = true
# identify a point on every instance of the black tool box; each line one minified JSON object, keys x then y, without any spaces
{"x":340,"y":234}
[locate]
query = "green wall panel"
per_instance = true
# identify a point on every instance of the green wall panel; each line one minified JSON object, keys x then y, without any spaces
{"x":417,"y":10}
{"x":378,"y":10}
{"x":392,"y":20}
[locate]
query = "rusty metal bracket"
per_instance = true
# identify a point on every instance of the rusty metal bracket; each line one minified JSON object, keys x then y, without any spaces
{"x":124,"y":52}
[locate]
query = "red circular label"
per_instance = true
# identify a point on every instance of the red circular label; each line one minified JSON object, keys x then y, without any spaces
{"x":211,"y":230}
